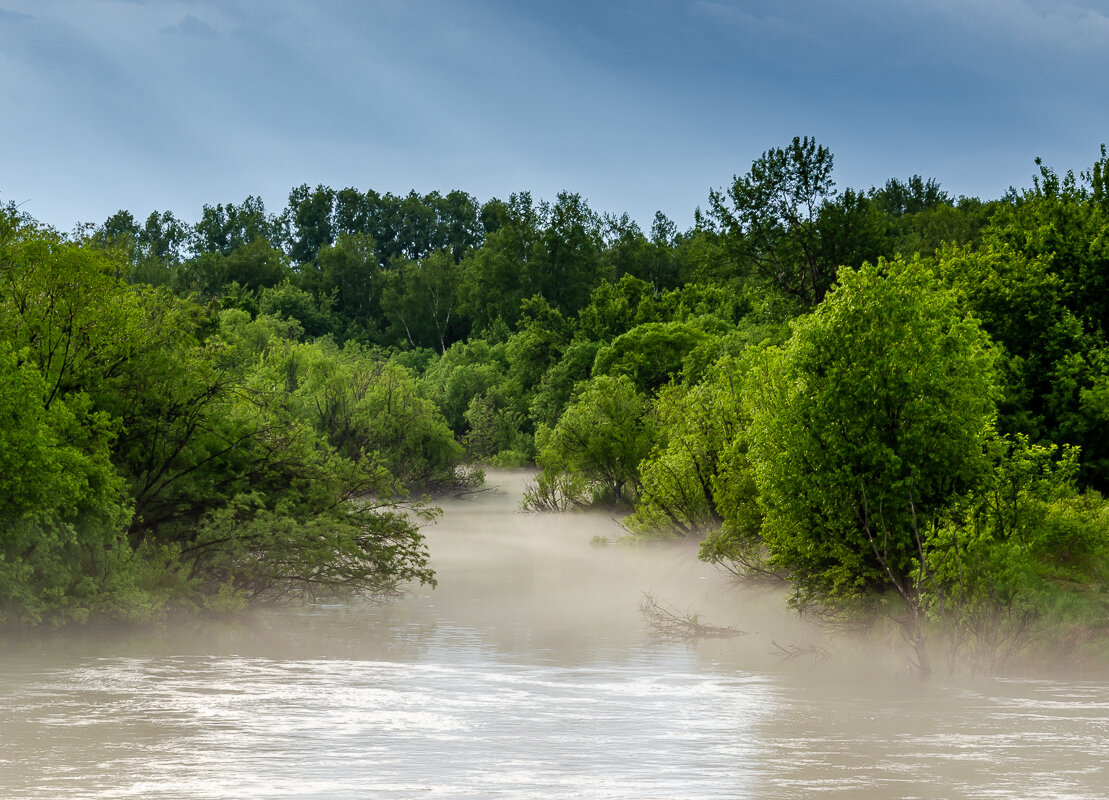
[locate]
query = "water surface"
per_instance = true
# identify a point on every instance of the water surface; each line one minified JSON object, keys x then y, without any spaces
{"x":529,"y":674}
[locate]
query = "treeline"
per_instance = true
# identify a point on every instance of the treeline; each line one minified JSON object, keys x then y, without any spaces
{"x":877,"y":394}
{"x":158,"y":453}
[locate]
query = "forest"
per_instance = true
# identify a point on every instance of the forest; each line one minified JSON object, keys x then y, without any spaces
{"x":894,"y":400}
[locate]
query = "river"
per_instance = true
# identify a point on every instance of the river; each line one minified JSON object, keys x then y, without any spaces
{"x":529,"y":673}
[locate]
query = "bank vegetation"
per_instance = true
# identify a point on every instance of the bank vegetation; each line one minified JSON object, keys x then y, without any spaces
{"x":895,"y":400}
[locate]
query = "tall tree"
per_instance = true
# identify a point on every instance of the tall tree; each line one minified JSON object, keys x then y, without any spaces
{"x":308,"y":217}
{"x":225,"y":228}
{"x":570,"y":250}
{"x":349,"y":273}
{"x":421,"y":300}
{"x":769,"y":217}
{"x":499,"y":276}
{"x":866,"y":425}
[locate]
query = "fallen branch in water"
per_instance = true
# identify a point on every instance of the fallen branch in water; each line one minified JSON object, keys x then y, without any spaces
{"x":793,"y":651}
{"x":462,"y":494}
{"x":670,"y":625}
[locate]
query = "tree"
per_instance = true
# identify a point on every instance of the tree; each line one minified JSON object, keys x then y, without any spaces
{"x":460,"y":229}
{"x":1062,"y":218}
{"x":600,"y":440}
{"x":911,"y":196}
{"x":223,"y":229}
{"x":651,"y":353}
{"x":308,"y":219}
{"x":865,"y":426}
{"x":254,"y":475}
{"x":1046,"y":355}
{"x":154,"y":249}
{"x":367,"y":410}
{"x":163,"y":238}
{"x":255,"y":265}
{"x":1058,"y":232}
{"x":769,"y":217}
{"x":464,"y":372}
{"x":999,"y":558}
{"x":311,"y":312}
{"x":349,"y":272}
{"x":557,"y":385}
{"x":695,"y":427}
{"x":497,"y":277}
{"x":421,"y":300}
{"x":62,"y":504}
{"x":616,"y":308}
{"x":851,"y":229}
{"x":570,"y":249}
{"x":496,"y":432}
{"x":543,"y":336}
{"x":164,"y":464}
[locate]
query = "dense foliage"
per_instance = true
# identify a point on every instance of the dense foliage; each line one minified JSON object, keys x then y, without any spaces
{"x":892,"y":399}
{"x":158,"y":453}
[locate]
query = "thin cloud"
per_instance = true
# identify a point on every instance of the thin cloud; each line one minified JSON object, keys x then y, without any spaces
{"x":751,"y":23}
{"x":14,"y":16}
{"x":1067,"y":23}
{"x":637,"y":104}
{"x":191,"y":27}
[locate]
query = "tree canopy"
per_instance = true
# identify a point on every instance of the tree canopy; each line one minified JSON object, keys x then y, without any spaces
{"x":889,"y":397}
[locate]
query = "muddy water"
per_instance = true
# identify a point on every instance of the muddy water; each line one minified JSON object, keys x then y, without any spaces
{"x":529,"y":674}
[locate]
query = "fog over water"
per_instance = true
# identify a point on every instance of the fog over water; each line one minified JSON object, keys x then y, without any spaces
{"x":529,"y":673}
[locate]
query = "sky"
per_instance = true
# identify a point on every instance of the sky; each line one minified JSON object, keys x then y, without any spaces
{"x":638,"y":105}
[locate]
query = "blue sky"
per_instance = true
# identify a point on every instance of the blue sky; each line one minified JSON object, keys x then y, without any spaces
{"x":637,"y":104}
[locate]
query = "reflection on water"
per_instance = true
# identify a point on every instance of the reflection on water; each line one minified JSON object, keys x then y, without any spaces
{"x":526,"y":674}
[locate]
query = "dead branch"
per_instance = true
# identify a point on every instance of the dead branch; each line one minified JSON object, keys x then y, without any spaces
{"x":791,"y":651}
{"x":667,"y":624}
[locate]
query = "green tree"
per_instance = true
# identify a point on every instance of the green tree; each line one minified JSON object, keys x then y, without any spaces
{"x":1021,"y":303}
{"x":368,"y":409}
{"x":557,"y":384}
{"x":222,"y":229}
{"x":999,"y":558}
{"x":543,"y":336}
{"x":500,"y":275}
{"x":599,"y":440}
{"x":652,"y":353}
{"x":851,"y":229}
{"x":173,"y":466}
{"x":63,"y":508}
{"x":628,"y":252}
{"x":570,"y":248}
{"x":769,"y":218}
{"x":350,"y":273}
{"x":867,"y":425}
{"x":496,"y":430}
{"x":464,"y":372}
{"x":163,"y":237}
{"x":421,"y":300}
{"x":255,"y":265}
{"x":311,"y":312}
{"x":1057,"y":230}
{"x":695,"y":427}
{"x":308,"y":219}
{"x":616,"y":308}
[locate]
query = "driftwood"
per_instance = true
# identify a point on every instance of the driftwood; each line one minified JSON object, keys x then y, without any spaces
{"x":667,"y":624}
{"x":791,"y":651}
{"x":467,"y":492}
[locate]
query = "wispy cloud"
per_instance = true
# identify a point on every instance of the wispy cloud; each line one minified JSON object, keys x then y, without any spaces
{"x":638,"y":104}
{"x":14,"y":16}
{"x":191,"y":27}
{"x":1054,"y":24}
{"x":749,"y":21}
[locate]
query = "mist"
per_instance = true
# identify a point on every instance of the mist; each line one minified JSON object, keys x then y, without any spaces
{"x":530,"y":672}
